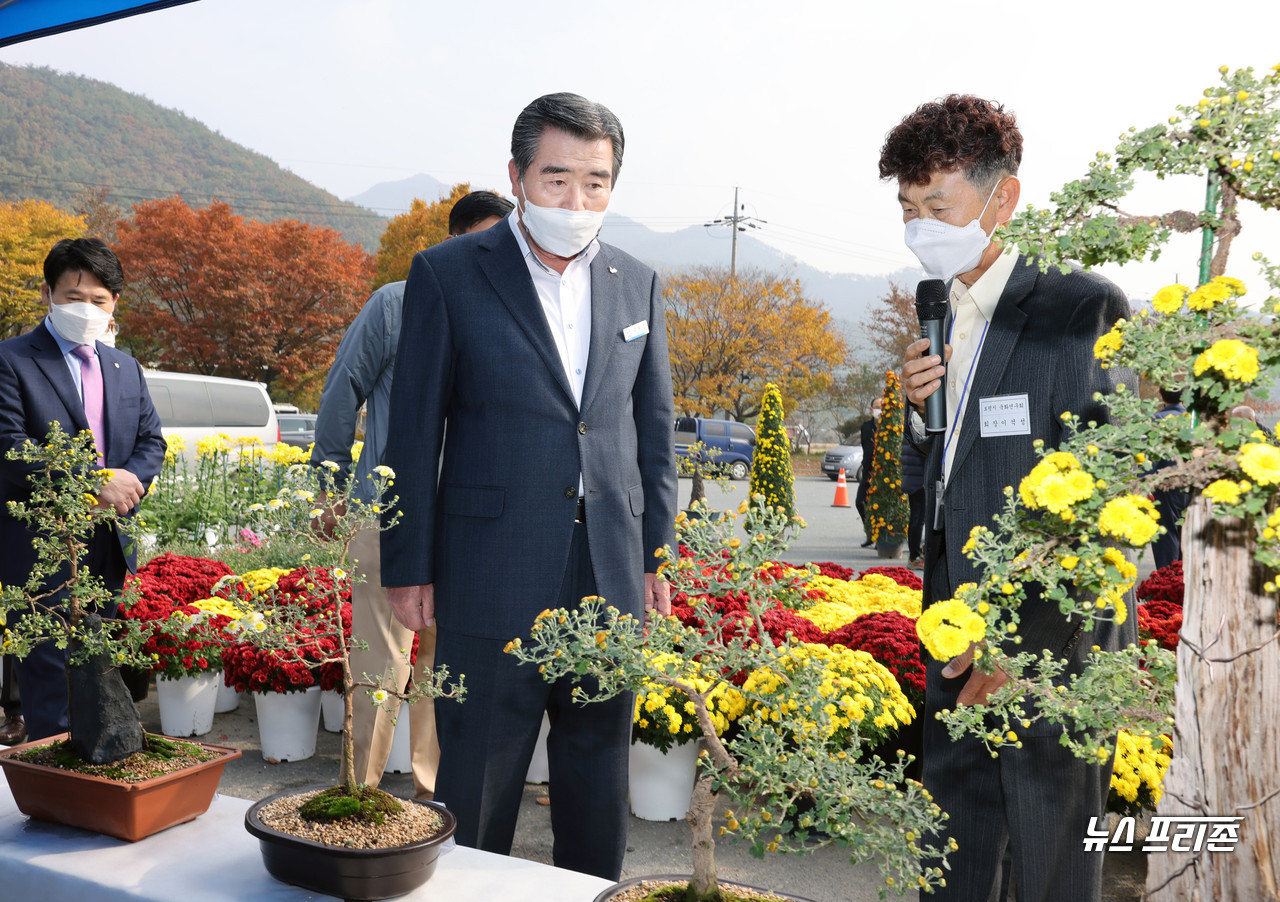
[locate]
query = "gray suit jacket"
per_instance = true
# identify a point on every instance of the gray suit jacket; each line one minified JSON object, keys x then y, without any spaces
{"x":492,"y":528}
{"x":1040,"y":342}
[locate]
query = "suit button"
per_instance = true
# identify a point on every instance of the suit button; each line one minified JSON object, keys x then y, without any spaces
{"x":571,"y":492}
{"x":582,"y":428}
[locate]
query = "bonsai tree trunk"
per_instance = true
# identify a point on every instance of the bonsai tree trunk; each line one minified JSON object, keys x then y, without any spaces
{"x":101,"y":716}
{"x":1226,"y":742}
{"x":347,"y":766}
{"x":698,"y":492}
{"x":702,"y":807}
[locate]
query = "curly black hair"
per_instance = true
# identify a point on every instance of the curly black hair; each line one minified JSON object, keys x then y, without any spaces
{"x":960,"y":131}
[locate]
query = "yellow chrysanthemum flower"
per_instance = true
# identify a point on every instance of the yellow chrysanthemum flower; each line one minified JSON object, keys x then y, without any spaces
{"x":1209,"y":295}
{"x":1169,"y":299}
{"x":846,"y":601}
{"x":1226,"y":491}
{"x":947,"y":628}
{"x":1232,"y":358}
{"x":1261,"y":463}
{"x":1130,"y":518}
{"x":1106,"y":346}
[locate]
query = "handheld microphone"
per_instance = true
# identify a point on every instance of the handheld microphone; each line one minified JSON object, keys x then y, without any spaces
{"x":931,"y":309}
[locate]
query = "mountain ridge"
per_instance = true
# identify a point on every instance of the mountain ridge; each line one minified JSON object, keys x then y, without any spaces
{"x":64,"y":134}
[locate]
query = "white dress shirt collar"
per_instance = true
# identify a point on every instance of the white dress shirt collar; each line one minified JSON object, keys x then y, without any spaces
{"x":986,"y":292}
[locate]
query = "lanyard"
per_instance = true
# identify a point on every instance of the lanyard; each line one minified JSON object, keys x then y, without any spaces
{"x":973,"y":363}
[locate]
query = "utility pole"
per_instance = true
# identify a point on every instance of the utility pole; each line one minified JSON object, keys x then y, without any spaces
{"x":738,"y":222}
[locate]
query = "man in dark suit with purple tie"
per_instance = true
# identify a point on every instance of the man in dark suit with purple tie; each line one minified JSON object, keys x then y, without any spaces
{"x":62,"y":372}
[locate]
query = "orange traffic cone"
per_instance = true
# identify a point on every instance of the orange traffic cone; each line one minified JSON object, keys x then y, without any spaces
{"x":842,"y":491}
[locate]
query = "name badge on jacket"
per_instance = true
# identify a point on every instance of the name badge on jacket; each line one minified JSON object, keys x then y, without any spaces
{"x":636,"y":330}
{"x":1005,"y":415}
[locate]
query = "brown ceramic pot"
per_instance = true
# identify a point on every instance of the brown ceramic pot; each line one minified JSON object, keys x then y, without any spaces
{"x":128,"y":811}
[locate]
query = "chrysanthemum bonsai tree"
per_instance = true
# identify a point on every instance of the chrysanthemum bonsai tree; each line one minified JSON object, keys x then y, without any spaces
{"x":887,"y":510}
{"x":771,"y":475}
{"x":61,"y":601}
{"x":795,"y":753}
{"x":1065,"y":523}
{"x":319,"y":509}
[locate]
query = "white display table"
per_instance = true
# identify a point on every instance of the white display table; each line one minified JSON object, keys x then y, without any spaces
{"x":213,"y":859}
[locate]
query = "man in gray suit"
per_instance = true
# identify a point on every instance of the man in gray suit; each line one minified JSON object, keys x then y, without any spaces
{"x":1025,"y":338}
{"x":544,"y":352}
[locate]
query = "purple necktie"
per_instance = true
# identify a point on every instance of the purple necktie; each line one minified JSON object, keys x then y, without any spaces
{"x":91,"y":384}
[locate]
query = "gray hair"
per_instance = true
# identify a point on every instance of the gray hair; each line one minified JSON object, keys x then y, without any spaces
{"x":570,"y":113}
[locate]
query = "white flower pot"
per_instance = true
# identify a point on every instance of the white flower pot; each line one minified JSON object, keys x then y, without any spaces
{"x":288,"y":723}
{"x":186,"y":703}
{"x":539,"y":770}
{"x":662,"y":782}
{"x":331,"y":708}
{"x":400,"y":758}
{"x":228,"y":698}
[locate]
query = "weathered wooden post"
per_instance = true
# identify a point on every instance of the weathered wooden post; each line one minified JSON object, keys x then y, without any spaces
{"x":1227,"y":733}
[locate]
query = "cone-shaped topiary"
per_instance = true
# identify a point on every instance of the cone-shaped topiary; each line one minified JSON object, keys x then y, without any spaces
{"x":886,"y":504}
{"x":771,"y":474}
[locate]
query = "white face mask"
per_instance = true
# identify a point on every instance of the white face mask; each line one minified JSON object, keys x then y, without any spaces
{"x":559,"y":231}
{"x":946,"y":250}
{"x":81,"y":323}
{"x":875,"y":414}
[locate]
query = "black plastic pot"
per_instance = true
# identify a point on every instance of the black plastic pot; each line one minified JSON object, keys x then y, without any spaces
{"x":352,"y":874}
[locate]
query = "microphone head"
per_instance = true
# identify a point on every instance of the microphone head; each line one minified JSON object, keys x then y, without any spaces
{"x":931,"y":299}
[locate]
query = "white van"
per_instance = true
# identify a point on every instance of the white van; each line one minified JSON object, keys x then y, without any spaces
{"x":197,"y":407}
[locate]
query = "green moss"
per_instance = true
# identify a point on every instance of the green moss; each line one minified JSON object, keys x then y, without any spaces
{"x":681,"y":892}
{"x":334,"y":804}
{"x":152,"y":761}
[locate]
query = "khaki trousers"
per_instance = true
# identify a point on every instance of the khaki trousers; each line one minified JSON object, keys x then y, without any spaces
{"x":387,"y":655}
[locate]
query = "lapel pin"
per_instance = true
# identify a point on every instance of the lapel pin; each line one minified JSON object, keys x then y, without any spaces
{"x":613,"y":270}
{"x":117,"y":366}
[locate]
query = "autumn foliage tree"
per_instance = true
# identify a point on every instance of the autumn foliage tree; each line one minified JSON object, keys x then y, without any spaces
{"x":424,"y":226}
{"x":730,"y":336}
{"x":893,"y":325}
{"x":213,"y":293}
{"x":28,"y":229}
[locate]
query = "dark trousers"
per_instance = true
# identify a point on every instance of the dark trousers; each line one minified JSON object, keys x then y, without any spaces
{"x":42,"y":675}
{"x":487,"y":741}
{"x":10,"y":699}
{"x":860,"y":501}
{"x":1171,"y":506}
{"x":915,"y":526}
{"x":1033,"y":803}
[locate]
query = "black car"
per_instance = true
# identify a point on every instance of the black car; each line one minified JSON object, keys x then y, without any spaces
{"x":297,"y":429}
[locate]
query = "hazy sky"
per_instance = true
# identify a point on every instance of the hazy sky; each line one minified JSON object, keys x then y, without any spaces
{"x":789,"y":100}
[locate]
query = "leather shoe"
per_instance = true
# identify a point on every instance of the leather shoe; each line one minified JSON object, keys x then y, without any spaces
{"x":14,"y":730}
{"x":867,"y":544}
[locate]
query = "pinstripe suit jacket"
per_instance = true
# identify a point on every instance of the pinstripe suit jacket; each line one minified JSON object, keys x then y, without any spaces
{"x":1040,"y":342}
